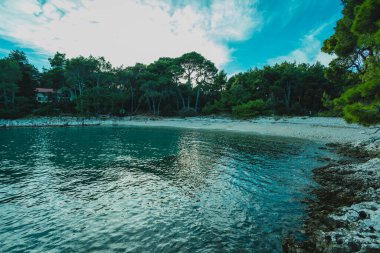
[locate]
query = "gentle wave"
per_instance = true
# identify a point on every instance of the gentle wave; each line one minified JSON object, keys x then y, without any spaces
{"x":150,"y":190}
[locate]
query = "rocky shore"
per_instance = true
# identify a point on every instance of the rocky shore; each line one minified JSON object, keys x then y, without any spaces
{"x":51,"y":122}
{"x":345,"y":214}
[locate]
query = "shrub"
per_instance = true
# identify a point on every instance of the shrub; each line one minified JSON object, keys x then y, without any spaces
{"x":212,"y":108}
{"x":187,"y":112}
{"x":46,"y":110}
{"x":251,"y":109}
{"x":10,"y":114}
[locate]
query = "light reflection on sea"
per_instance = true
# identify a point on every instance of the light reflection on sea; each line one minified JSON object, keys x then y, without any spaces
{"x":127,"y":189}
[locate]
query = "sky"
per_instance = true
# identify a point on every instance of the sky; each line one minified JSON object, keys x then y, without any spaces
{"x":236,"y":35}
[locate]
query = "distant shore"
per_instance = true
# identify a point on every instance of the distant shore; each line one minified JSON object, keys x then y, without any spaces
{"x":323,"y":129}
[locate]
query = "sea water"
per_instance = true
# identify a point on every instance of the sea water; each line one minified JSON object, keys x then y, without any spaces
{"x":138,"y":189}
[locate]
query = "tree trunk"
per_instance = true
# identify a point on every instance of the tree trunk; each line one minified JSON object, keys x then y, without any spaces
{"x":183,"y":100}
{"x":81,"y":88}
{"x":97,"y":103}
{"x":177,"y":102}
{"x":197,"y":98}
{"x":81,"y":106}
{"x":149,"y":106}
{"x":112,"y":106}
{"x":137,"y":107}
{"x":288,"y":90}
{"x":154,"y":107}
{"x":132,"y":98}
{"x":13,"y":99}
{"x":158,"y":107}
{"x":5,"y":100}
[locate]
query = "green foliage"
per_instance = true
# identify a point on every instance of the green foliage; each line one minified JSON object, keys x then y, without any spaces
{"x":187,"y":112}
{"x":362,"y":113}
{"x":328,"y":103}
{"x":214,"y":107}
{"x":55,"y":76}
{"x":46,"y":110}
{"x":101,"y":100}
{"x":190,"y":84}
{"x":29,"y":74}
{"x":291,"y":89}
{"x":356,"y":42}
{"x":252,"y":109}
{"x":361,"y":103}
{"x":10,"y":74}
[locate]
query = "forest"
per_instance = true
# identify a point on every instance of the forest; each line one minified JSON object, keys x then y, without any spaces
{"x":191,"y":85}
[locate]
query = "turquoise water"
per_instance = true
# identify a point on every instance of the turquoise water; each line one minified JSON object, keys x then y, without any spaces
{"x":121,"y":189}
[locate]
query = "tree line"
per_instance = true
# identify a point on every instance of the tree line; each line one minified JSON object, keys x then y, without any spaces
{"x":168,"y":86}
{"x":187,"y":85}
{"x":191,"y":84}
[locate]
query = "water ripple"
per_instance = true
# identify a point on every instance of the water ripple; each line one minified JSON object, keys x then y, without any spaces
{"x":125,"y":189}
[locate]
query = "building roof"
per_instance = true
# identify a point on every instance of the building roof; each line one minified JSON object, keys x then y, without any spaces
{"x":44,"y":90}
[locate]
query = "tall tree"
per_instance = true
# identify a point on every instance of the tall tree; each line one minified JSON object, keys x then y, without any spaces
{"x":158,"y":84}
{"x":55,"y":76}
{"x":10,"y":74}
{"x":198,"y":72}
{"x":356,"y":43}
{"x":30,"y":74}
{"x":80,"y":72}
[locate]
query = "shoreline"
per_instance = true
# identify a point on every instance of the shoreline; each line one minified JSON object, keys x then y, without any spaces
{"x":322,"y":129}
{"x":345,"y":214}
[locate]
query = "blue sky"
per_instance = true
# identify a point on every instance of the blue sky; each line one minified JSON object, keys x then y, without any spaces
{"x":236,"y":35}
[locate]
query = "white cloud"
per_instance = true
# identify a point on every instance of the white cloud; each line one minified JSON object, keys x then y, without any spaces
{"x":128,"y":31}
{"x":309,"y":52}
{"x":4,"y":51}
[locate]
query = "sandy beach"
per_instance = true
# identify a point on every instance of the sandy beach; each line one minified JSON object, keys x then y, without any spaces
{"x":322,"y":129}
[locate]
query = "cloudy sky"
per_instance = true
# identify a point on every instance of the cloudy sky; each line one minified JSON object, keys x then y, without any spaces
{"x":235,"y":34}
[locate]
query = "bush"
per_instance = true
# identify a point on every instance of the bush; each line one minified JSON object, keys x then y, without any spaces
{"x":46,"y":110}
{"x":251,"y":109}
{"x":187,"y":112}
{"x":361,"y":113}
{"x":10,"y":114}
{"x":212,"y":108}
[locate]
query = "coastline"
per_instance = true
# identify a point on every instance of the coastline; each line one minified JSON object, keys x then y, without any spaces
{"x":345,"y":214}
{"x":322,"y":129}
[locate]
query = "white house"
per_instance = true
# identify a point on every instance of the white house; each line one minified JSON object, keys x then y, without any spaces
{"x":44,"y":95}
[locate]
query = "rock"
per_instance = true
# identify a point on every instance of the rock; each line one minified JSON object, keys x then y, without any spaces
{"x":345,"y":217}
{"x":354,"y":246}
{"x":363,"y":215}
{"x":373,"y":249}
{"x":339,"y":240}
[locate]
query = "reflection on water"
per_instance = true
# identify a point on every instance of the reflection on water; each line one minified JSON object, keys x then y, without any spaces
{"x":149,"y":189}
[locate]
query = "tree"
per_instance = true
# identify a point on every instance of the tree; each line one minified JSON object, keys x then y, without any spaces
{"x":158,"y":83}
{"x":198,"y":72}
{"x":10,"y":74}
{"x":130,"y":78}
{"x":80,"y":71}
{"x":356,"y":43}
{"x":289,"y":78}
{"x":29,"y":74}
{"x":103,"y":71}
{"x":361,"y":103}
{"x":55,"y":76}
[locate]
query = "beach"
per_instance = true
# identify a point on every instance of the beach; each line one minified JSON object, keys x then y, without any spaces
{"x":323,"y":129}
